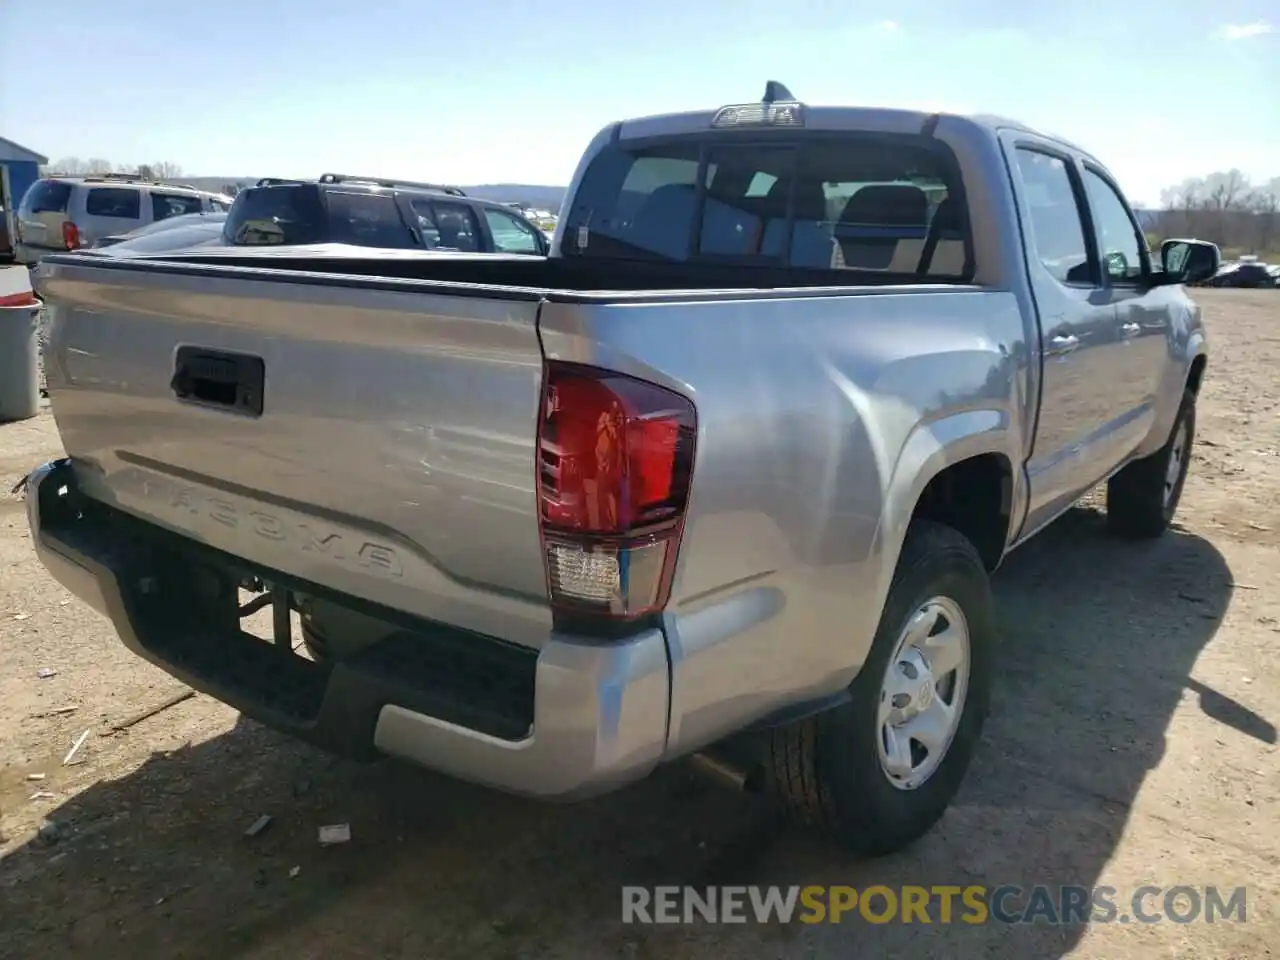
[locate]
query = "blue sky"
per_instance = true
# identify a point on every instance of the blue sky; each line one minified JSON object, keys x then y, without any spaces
{"x":511,"y":90}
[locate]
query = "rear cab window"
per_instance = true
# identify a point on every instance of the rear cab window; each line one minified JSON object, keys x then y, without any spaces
{"x":117,"y":202}
{"x":46,"y":196}
{"x":889,"y":204}
{"x":270,"y":216}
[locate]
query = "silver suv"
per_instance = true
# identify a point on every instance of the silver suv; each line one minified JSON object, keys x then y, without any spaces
{"x":68,"y":213}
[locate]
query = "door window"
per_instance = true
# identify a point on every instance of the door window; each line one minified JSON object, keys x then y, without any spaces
{"x":1120,"y":244}
{"x":166,"y":205}
{"x":457,"y":227}
{"x":511,"y":235}
{"x":114,"y":202}
{"x":1054,"y":212}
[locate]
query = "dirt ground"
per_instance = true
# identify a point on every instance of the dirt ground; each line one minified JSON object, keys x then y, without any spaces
{"x":1132,"y":742}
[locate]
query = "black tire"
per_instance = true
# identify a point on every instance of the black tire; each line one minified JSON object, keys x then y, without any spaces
{"x":1137,"y":505}
{"x":826,"y":770}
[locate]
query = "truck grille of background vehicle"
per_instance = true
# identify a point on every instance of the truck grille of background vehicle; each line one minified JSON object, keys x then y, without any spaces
{"x":616,"y":461}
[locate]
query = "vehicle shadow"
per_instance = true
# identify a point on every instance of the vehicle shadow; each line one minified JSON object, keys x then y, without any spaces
{"x":1099,"y":640}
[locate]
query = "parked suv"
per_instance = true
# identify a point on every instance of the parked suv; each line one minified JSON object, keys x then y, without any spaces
{"x":373,"y":212}
{"x":68,"y":213}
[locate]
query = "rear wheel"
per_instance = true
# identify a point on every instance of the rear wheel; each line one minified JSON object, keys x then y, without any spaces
{"x":880,"y":770}
{"x":1143,"y":497}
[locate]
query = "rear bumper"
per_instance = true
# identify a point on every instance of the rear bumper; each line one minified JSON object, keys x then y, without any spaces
{"x":572,"y":719}
{"x":31,"y":255}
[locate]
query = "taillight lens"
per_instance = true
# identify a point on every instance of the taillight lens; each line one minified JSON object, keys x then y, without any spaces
{"x":614,"y":472}
{"x":24,"y":299}
{"x":70,"y":235}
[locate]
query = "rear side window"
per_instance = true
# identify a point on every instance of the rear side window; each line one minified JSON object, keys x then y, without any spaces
{"x":1048,"y":189}
{"x":166,"y":205}
{"x":858,"y":202}
{"x":269,"y":216}
{"x":457,"y":227}
{"x":47,"y":196}
{"x":113,"y":202}
{"x":367,"y":220}
{"x":425,"y":218}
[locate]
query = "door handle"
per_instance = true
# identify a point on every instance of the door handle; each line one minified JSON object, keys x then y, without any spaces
{"x":1130,"y":329}
{"x":1063,"y":344}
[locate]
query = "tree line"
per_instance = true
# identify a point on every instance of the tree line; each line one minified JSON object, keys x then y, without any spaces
{"x":97,"y":166}
{"x":77,"y":167}
{"x":1224,"y":208}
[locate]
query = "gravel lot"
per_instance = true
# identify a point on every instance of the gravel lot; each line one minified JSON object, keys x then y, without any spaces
{"x":1132,"y":742}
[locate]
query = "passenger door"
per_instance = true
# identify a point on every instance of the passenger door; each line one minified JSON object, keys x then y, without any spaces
{"x":1143,"y":313}
{"x":1074,"y":440}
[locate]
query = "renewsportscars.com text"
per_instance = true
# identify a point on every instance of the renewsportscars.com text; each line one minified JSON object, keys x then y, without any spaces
{"x":940,"y":904}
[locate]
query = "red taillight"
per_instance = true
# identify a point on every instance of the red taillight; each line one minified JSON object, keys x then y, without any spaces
{"x":614,"y":471}
{"x":24,"y":299}
{"x":70,"y":235}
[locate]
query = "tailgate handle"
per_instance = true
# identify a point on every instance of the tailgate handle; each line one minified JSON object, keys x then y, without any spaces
{"x":212,"y":378}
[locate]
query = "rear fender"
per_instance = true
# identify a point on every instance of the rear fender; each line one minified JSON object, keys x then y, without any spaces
{"x":932,"y":447}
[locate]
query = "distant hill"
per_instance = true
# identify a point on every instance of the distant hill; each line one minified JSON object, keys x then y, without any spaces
{"x":532,"y":195}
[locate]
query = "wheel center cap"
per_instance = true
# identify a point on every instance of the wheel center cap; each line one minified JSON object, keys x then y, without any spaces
{"x":924,"y":695}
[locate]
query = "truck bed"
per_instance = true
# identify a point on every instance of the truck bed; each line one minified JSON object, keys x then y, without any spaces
{"x":559,"y":275}
{"x":394,"y":455}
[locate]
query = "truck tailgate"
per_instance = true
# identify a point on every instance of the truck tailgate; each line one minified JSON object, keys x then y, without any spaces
{"x":393,"y":458}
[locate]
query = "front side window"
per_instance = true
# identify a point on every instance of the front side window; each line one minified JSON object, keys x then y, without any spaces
{"x":114,"y":202}
{"x":1056,"y":225}
{"x":1120,"y":244}
{"x":888,"y":204}
{"x":166,"y":205}
{"x":511,"y":235}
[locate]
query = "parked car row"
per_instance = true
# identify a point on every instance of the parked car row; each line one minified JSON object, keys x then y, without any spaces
{"x":70,"y":213}
{"x":133,"y":217}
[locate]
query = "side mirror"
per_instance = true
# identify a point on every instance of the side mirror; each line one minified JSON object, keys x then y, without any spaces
{"x":1189,"y":261}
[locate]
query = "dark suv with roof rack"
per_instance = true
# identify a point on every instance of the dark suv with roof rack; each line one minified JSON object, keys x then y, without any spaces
{"x":376,"y":212}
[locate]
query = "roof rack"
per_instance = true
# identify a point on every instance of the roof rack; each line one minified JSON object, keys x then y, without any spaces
{"x":278,"y":182}
{"x":383,"y":182}
{"x":134,"y":178}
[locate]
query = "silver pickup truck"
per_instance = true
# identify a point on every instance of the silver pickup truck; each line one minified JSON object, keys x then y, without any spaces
{"x":724,"y":476}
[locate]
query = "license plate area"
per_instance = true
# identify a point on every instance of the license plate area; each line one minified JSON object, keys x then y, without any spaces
{"x":234,"y":382}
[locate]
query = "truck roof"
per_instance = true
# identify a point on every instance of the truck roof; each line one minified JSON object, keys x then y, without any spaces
{"x":820,"y":117}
